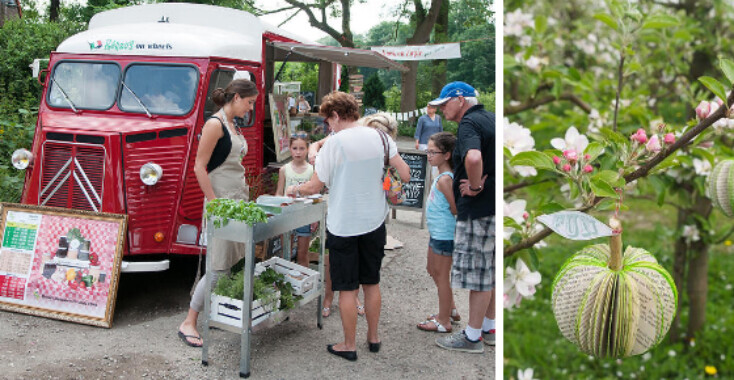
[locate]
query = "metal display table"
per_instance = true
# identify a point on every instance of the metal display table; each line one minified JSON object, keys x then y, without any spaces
{"x":292,"y":217}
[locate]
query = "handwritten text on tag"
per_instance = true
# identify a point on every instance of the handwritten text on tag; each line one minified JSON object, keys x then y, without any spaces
{"x":575,"y":225}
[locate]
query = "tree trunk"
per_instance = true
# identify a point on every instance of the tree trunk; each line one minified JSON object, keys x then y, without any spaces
{"x":679,"y":270}
{"x":440,"y":35}
{"x":408,"y":96}
{"x":422,"y":34}
{"x":53,"y":11}
{"x":698,"y":267}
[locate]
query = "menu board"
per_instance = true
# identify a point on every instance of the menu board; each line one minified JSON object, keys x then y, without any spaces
{"x":60,"y":263}
{"x":415,"y":190}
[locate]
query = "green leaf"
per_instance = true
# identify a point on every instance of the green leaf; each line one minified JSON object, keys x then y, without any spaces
{"x":535,"y":159}
{"x":509,"y":61}
{"x":550,"y":207}
{"x":602,"y":188}
{"x":714,"y":86}
{"x":506,"y":152}
{"x":613,"y":136}
{"x":594,"y":150}
{"x":541,"y":22}
{"x":509,"y":222}
{"x":574,"y":74}
{"x":727,"y":66}
{"x":607,"y":204}
{"x":611,"y":177}
{"x":607,"y":19}
{"x":660,"y":22}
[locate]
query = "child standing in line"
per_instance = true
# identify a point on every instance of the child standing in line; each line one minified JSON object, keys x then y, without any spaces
{"x":293,"y":173}
{"x":441,"y":220}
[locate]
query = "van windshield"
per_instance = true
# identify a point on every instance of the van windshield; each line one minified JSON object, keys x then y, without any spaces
{"x":168,"y":90}
{"x":87,"y":85}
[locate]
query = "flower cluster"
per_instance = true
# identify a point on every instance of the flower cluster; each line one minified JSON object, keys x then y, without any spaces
{"x":705,"y":109}
{"x":520,"y":282}
{"x":655,"y":143}
{"x":573,"y":158}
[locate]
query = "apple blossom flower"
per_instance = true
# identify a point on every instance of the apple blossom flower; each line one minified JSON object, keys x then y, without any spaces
{"x":517,"y":21}
{"x":703,"y":110}
{"x":690,"y":233}
{"x":525,"y":215}
{"x":653,"y":145}
{"x":521,"y":279}
{"x":640,"y":136}
{"x":572,"y":140}
{"x":669,"y":138}
{"x":588,"y":169}
{"x":570,"y":155}
{"x":556,"y":160}
{"x":518,"y":139}
{"x":566,"y":168}
{"x":511,"y":299}
{"x":515,"y":211}
{"x":702,"y":167}
{"x":526,"y":374}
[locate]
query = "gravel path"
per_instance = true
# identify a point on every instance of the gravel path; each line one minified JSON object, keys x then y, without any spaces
{"x":143,"y":344}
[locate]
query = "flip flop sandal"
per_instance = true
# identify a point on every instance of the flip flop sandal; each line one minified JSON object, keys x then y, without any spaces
{"x":360,"y":311}
{"x":455,"y":317}
{"x":185,"y":339}
{"x":326,"y":312}
{"x":437,"y":327}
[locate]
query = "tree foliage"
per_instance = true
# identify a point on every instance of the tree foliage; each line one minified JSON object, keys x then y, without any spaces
{"x":374,"y":93}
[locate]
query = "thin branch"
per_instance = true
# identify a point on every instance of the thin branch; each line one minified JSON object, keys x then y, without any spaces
{"x":723,"y":238}
{"x":277,"y":10}
{"x":537,"y":102}
{"x":642,"y":171}
{"x":620,"y":73}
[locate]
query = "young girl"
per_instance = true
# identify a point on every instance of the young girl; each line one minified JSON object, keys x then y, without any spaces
{"x":441,"y":220}
{"x":296,"y":172}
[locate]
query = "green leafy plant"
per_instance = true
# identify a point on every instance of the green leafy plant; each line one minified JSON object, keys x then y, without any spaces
{"x":264,"y":288}
{"x":221,"y":210}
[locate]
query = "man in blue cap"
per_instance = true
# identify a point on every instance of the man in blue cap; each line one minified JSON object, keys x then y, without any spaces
{"x":473,"y":257}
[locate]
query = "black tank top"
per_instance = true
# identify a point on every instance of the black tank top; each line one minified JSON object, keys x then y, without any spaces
{"x":221,"y":150}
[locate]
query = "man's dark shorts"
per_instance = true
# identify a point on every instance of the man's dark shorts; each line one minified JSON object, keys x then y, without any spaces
{"x":355,"y":260}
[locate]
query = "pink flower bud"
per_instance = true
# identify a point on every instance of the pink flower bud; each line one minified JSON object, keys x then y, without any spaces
{"x":669,"y":138}
{"x":640,"y":136}
{"x":567,"y":168}
{"x":703,"y":109}
{"x":587,"y":157}
{"x":588,"y":169}
{"x":654,"y":144}
{"x":570,"y":155}
{"x":556,"y":160}
{"x":719,"y":102}
{"x":661,"y":127}
{"x":706,"y":144}
{"x":525,"y":215}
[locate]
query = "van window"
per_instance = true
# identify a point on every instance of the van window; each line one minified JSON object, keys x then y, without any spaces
{"x":87,"y":85}
{"x":162,"y":89}
{"x":219,"y":79}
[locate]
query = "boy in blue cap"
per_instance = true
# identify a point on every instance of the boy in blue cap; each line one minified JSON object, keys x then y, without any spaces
{"x":473,"y":257}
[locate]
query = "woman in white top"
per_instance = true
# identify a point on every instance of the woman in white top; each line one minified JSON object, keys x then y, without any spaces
{"x":303,"y":106}
{"x":350,"y":163}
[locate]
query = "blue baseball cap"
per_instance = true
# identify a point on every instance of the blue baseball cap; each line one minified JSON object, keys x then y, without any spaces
{"x":453,"y":90}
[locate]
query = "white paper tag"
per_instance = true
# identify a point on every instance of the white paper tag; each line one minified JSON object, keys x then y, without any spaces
{"x":575,"y":225}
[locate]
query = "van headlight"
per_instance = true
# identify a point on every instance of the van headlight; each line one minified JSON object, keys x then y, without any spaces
{"x":22,"y":158}
{"x":151,"y":173}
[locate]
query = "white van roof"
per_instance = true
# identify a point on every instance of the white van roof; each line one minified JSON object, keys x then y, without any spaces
{"x":175,"y":29}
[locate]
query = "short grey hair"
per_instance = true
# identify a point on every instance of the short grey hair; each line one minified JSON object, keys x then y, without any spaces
{"x":472,"y":100}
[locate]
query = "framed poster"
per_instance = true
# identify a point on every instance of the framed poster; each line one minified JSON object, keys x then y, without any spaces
{"x":281,"y":126}
{"x":60,"y":263}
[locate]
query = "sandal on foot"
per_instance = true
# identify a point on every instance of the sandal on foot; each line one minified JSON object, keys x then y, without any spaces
{"x":186,"y":340}
{"x":360,"y":310}
{"x":326,"y":312}
{"x":455,"y":317}
{"x":436,"y":327}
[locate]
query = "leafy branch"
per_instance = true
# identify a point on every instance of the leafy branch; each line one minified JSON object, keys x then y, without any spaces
{"x":641,"y":172}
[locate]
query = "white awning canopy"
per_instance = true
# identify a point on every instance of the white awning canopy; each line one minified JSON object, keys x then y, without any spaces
{"x":341,"y":55}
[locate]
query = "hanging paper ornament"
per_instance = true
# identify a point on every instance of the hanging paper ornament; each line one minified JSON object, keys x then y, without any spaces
{"x":611,"y":305}
{"x":721,"y":187}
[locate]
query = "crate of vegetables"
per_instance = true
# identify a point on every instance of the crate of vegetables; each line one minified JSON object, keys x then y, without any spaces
{"x":302,"y":279}
{"x":229,"y":310}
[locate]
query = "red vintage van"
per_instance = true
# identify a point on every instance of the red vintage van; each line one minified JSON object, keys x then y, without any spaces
{"x":124,"y":103}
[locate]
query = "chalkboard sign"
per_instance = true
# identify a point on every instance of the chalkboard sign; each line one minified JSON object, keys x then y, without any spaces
{"x":415,"y":190}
